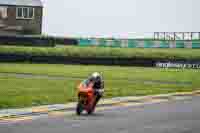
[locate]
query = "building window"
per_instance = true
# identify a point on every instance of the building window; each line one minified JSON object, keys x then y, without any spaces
{"x":30,"y":13}
{"x":25,"y":13}
{"x":3,"y":12}
{"x":19,"y":13}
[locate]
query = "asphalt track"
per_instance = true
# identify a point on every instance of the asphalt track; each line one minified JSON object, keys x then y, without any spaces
{"x":177,"y":116}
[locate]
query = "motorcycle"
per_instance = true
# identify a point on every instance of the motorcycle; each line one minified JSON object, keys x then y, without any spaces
{"x":86,"y":99}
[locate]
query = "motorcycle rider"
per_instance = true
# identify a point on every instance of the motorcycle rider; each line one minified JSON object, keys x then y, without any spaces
{"x":98,"y":86}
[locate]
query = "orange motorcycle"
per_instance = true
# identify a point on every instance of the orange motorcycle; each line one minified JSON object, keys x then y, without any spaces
{"x":86,"y":99}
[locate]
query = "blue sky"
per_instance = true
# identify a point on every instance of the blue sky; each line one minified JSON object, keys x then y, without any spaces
{"x":119,"y":18}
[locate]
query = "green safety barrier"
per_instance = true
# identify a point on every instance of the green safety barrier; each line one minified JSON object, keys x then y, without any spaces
{"x":195,"y":44}
{"x":118,"y":43}
{"x":133,"y":43}
{"x":164,"y":44}
{"x":101,"y":42}
{"x":180,"y":44}
{"x":149,"y":44}
{"x":84,"y":42}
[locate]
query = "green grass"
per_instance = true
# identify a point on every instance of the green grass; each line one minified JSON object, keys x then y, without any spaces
{"x":73,"y":51}
{"x":31,"y":92}
{"x":24,"y":92}
{"x":109,"y":72}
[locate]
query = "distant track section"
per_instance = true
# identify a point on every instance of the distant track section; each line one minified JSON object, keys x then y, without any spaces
{"x":36,"y":41}
{"x":140,"y":62}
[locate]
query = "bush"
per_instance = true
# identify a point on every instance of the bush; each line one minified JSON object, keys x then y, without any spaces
{"x":97,"y":52}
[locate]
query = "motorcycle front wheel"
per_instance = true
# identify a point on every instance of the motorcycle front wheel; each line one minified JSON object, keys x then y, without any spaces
{"x":92,"y":109}
{"x":79,"y":108}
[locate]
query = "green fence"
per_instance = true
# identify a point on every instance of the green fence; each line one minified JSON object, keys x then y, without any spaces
{"x":133,"y":43}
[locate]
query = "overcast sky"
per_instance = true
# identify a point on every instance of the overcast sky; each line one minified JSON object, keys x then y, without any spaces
{"x":119,"y":18}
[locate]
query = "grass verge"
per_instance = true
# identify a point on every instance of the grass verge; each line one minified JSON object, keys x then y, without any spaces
{"x":18,"y":92}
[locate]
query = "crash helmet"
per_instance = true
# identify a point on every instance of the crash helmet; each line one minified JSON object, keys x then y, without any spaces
{"x":96,"y":76}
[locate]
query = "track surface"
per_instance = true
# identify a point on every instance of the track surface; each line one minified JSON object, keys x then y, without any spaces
{"x":181,"y":116}
{"x":26,"y":75}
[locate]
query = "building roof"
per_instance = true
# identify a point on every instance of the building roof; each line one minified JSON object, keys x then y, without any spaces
{"x":22,"y":2}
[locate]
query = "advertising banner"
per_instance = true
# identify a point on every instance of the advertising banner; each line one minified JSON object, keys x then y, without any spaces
{"x":179,"y":64}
